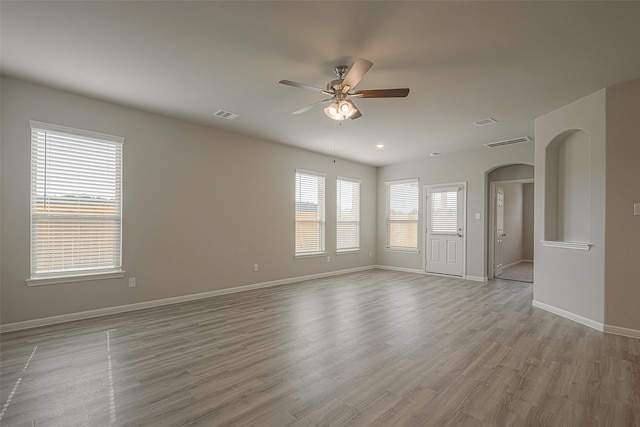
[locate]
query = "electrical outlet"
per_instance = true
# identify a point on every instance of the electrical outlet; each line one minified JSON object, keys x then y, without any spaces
{"x":370,"y":254}
{"x":328,"y":259}
{"x":132,"y":282}
{"x":636,"y":209}
{"x":255,"y":267}
{"x":477,"y":215}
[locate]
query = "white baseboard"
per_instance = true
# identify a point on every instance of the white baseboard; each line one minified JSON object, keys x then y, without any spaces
{"x":619,"y":330}
{"x":569,"y":315}
{"x":28,"y":324}
{"x":517,"y":262}
{"x":417,"y":271}
{"x":402,"y":269}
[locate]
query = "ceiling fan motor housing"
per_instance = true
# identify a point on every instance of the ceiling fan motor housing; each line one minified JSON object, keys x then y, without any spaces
{"x":335,"y":85}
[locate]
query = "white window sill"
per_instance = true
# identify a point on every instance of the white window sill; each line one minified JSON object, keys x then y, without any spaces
{"x":409,"y":251}
{"x":52,"y":280}
{"x":348,"y":251}
{"x":581,"y":246}
{"x":310,"y":255}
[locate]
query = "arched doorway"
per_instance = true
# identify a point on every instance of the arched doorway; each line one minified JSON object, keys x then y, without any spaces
{"x":510,"y":222}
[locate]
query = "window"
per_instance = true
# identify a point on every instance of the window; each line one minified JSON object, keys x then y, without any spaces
{"x":309,"y":213}
{"x":76,"y":202}
{"x":402,"y":215}
{"x":444,"y":211}
{"x":347,"y":214}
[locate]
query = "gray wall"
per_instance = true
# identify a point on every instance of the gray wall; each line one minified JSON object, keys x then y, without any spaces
{"x":528,"y":213}
{"x":201,"y":206}
{"x":567,"y":279}
{"x":622,"y":261}
{"x":513,"y":223}
{"x":469,"y":166}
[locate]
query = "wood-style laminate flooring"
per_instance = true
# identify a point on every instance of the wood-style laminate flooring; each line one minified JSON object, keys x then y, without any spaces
{"x":375,"y":348}
{"x":521,"y":272}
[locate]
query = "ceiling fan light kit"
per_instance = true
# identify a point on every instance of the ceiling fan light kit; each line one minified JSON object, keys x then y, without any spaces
{"x":341,"y":110}
{"x":341,"y":89}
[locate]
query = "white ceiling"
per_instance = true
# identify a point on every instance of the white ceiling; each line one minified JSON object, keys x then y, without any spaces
{"x":512,"y":61}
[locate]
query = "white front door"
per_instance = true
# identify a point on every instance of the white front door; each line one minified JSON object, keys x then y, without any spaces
{"x":498,"y":258}
{"x":445,"y":229}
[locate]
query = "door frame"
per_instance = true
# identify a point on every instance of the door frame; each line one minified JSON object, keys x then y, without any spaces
{"x":492,"y":220}
{"x":425,"y":218}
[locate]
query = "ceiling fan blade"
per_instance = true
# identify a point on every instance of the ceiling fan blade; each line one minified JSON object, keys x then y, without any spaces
{"x":309,"y":107}
{"x":382,"y":93}
{"x":356,"y":72}
{"x":300,"y":85}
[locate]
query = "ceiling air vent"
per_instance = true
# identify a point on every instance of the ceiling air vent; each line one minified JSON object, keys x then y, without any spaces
{"x":226,"y":114}
{"x":485,"y":122}
{"x":508,"y":142}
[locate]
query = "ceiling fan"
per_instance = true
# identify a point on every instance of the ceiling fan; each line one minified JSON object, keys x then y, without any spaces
{"x":341,"y":90}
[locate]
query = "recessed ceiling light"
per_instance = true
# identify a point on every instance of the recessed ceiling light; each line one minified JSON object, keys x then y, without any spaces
{"x":379,"y":145}
{"x":434,"y":154}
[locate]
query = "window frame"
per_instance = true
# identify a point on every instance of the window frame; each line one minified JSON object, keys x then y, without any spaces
{"x":90,"y":272}
{"x":322,"y":221}
{"x":389,"y":221}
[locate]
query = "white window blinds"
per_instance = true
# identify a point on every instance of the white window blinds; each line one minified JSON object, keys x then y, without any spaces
{"x":76,"y":201}
{"x":402,"y":215}
{"x":443,"y":215}
{"x":310,"y":224}
{"x":347,"y":214}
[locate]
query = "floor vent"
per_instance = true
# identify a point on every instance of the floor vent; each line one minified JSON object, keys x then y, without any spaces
{"x":226,"y":115}
{"x":485,"y":122}
{"x":508,"y":142}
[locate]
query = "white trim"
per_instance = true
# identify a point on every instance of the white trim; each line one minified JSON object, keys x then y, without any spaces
{"x":424,"y":273}
{"x":52,"y":280}
{"x":582,"y":246}
{"x":401,"y":269}
{"x":344,"y":178}
{"x":73,"y":131}
{"x":619,"y":330}
{"x":517,"y":262}
{"x":569,"y":315}
{"x":476,"y":278}
{"x":323,"y":175}
{"x":396,"y":249}
{"x":45,"y":321}
{"x":347,"y":251}
{"x":451,"y":276}
{"x":403,"y":181}
{"x":310,"y":255}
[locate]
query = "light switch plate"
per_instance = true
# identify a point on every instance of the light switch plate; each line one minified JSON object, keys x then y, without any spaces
{"x":477,"y":215}
{"x":636,"y":208}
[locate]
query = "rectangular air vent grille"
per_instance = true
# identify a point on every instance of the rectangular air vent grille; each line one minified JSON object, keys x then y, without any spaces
{"x":485,"y":122}
{"x":508,"y":142}
{"x":223,"y":114}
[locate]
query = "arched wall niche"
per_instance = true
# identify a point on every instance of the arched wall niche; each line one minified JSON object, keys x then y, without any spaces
{"x":567,"y":187}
